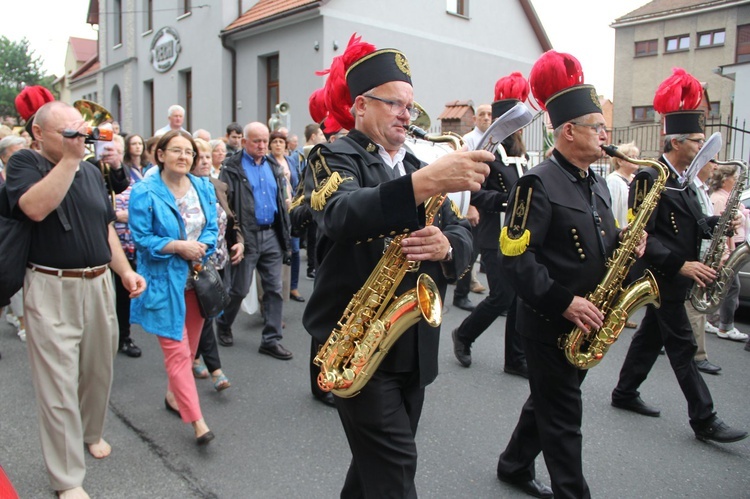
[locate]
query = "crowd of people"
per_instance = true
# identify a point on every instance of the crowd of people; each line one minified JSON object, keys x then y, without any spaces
{"x":157,"y":210}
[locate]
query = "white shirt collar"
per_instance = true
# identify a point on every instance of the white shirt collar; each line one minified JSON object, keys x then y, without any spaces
{"x":396,"y":162}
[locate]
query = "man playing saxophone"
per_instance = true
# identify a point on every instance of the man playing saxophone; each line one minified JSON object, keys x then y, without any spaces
{"x":675,"y":230}
{"x":363,"y":190}
{"x":559,"y":233}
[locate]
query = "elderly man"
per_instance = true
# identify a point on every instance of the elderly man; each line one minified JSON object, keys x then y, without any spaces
{"x":364,"y":189}
{"x":9,"y":145}
{"x":175,"y":116}
{"x":675,"y":230}
{"x":559,"y":232}
{"x":256,"y":191}
{"x":68,"y":294}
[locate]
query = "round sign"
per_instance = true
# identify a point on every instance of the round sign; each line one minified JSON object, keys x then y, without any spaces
{"x":165,"y":47}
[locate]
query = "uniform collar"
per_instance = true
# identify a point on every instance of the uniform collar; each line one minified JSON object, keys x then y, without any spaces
{"x":574,"y":173}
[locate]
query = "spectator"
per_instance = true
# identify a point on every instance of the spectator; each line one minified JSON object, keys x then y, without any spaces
{"x":234,"y":138}
{"x":218,"y":154}
{"x":175,"y":116}
{"x":619,"y":180}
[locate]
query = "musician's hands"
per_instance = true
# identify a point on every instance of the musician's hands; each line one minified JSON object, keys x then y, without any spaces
{"x":472,"y":216}
{"x":584,"y":314}
{"x":454,"y":172}
{"x":702,"y":274}
{"x":426,"y":244}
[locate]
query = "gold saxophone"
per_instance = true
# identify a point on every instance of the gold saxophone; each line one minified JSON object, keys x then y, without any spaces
{"x":373,"y":319}
{"x":586,"y":349}
{"x":707,"y":299}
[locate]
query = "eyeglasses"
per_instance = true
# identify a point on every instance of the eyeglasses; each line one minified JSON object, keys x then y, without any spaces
{"x":598,"y":127}
{"x":179,"y":152}
{"x":397,"y":108}
{"x":697,"y":141}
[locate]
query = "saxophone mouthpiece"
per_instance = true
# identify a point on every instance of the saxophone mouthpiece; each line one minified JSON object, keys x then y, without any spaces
{"x":416,"y":131}
{"x":612,"y":150}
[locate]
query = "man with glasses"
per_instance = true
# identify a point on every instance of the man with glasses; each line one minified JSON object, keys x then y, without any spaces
{"x":675,"y":230}
{"x":364,"y":189}
{"x":256,"y":193}
{"x":559,"y":233}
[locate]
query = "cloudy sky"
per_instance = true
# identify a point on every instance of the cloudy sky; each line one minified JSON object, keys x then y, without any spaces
{"x":587,"y":36}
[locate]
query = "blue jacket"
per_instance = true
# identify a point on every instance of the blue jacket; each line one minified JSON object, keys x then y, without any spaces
{"x":154,"y":222}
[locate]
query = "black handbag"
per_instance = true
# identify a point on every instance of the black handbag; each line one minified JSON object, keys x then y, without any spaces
{"x":212,"y":296}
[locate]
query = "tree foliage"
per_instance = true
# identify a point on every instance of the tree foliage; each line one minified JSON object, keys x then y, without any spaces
{"x":19,"y":67}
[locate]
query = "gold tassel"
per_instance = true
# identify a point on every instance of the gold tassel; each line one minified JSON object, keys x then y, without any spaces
{"x":454,"y":209}
{"x":631,"y":215}
{"x":514,"y":247}
{"x":296,"y":202}
{"x":320,"y":196}
{"x":617,"y":224}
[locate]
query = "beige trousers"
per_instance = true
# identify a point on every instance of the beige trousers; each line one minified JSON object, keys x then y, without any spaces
{"x":71,"y":331}
{"x":698,"y":323}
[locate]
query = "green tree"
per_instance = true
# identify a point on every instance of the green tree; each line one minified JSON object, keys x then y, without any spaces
{"x":19,"y":67}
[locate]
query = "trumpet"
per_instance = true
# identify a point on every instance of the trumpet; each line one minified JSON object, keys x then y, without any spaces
{"x":94,"y":115}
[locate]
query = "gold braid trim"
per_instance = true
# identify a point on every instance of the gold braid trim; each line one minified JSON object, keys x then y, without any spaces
{"x":320,"y":196}
{"x":617,"y":224}
{"x":631,"y":215}
{"x":514,"y":247}
{"x":297,"y":202}
{"x":454,"y":209}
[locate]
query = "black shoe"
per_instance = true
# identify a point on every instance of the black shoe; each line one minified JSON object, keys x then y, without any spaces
{"x":705,"y":366}
{"x":637,"y":405}
{"x":205,"y":438}
{"x":719,"y":431}
{"x":311,"y":274}
{"x":464,"y":304}
{"x":747,"y":346}
{"x":225,"y":337}
{"x":130,"y":349}
{"x":326,"y":398}
{"x":277,"y":351}
{"x":533,"y":487}
{"x":520,"y":370}
{"x":296,"y":297}
{"x":461,"y":350}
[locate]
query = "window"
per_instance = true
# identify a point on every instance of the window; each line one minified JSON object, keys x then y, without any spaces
{"x":711,"y":38}
{"x":272,"y":85}
{"x":677,"y":43}
{"x":185,"y":7}
{"x":149,"y":15}
{"x":643,"y":113}
{"x":714,"y":112}
{"x":148,"y":99}
{"x":187,"y":80}
{"x":458,"y":7}
{"x":117,"y":24}
{"x":743,"y":43}
{"x":649,"y":47}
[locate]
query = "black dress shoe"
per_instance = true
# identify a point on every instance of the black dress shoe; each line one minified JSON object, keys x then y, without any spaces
{"x":298,"y":297}
{"x":461,"y":350}
{"x":637,"y":405}
{"x":225,"y":337}
{"x":311,"y":274}
{"x":520,"y":370}
{"x":326,"y":398}
{"x":205,"y":438}
{"x":130,"y":349}
{"x":719,"y":431}
{"x":533,"y":487}
{"x":464,"y":304}
{"x":277,"y":351}
{"x":705,"y":366}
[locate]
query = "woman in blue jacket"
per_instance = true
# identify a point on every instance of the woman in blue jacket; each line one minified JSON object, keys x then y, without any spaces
{"x":172,"y":219}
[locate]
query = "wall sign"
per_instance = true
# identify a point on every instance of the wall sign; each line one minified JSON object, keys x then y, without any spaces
{"x":165,"y":47}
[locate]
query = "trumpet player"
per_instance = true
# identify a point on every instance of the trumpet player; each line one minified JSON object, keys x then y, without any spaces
{"x":363,"y":189}
{"x":675,"y":230}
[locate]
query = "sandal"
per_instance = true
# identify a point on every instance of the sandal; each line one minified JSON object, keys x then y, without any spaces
{"x":221,"y":382}
{"x":200,"y":370}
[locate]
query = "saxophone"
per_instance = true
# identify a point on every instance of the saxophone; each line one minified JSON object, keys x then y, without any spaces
{"x":707,"y":299}
{"x":373,"y":319}
{"x":586,"y":349}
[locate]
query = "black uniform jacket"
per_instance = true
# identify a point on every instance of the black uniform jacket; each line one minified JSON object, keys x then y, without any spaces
{"x":564,"y":257}
{"x":491,"y":200}
{"x":673,"y":229}
{"x":242,"y":201}
{"x":364,"y":206}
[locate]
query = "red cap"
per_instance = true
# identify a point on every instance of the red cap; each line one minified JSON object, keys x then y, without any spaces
{"x":31,"y":99}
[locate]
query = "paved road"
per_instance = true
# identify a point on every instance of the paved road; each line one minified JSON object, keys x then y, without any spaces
{"x":274,"y":441}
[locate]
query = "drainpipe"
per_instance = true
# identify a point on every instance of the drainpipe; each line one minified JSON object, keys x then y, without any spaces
{"x":224,"y":43}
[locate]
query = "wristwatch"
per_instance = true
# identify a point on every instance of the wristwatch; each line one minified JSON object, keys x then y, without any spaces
{"x":449,"y":255}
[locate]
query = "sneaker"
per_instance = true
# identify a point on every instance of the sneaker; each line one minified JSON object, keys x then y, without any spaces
{"x":311,"y":274}
{"x":733,"y":334}
{"x":130,"y":349}
{"x":13,"y":320}
{"x":22,"y":335}
{"x":710,"y":328}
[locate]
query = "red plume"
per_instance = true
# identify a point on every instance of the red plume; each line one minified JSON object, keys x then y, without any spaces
{"x":553,"y":72}
{"x":681,"y":91}
{"x":338,"y":100}
{"x":331,"y":126}
{"x":31,"y":99}
{"x":513,"y":86}
{"x":317,"y":105}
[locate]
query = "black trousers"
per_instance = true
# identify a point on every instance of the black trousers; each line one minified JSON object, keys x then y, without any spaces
{"x":207,"y":346}
{"x":312,"y":232}
{"x":550,"y":423}
{"x":667,"y":326}
{"x":463,"y":285}
{"x":122,"y":307}
{"x":500,"y":300}
{"x":380,"y":425}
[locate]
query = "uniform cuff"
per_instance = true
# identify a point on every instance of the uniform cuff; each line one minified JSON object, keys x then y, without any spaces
{"x":672,"y":265}
{"x":398,"y":204}
{"x":556,"y":300}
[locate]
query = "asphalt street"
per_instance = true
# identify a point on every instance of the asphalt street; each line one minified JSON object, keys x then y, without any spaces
{"x":273,"y":440}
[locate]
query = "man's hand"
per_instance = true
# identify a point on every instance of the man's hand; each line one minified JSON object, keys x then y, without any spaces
{"x":453,"y":172}
{"x":583,"y":314}
{"x":702,"y":274}
{"x":134,"y":283}
{"x":74,"y":148}
{"x":472,"y":216}
{"x":237,"y":253}
{"x":426,"y":244}
{"x":111,"y":157}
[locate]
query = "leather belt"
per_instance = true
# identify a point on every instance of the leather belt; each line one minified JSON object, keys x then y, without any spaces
{"x":76,"y":274}
{"x":265,"y":227}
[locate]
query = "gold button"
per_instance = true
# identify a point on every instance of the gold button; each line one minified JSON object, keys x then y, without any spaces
{"x":580,"y":250}
{"x":583,"y":257}
{"x":575,"y":238}
{"x":381,"y":235}
{"x":574,"y":231}
{"x":604,"y":233}
{"x":393,"y":232}
{"x":369,"y":239}
{"x":578,"y":245}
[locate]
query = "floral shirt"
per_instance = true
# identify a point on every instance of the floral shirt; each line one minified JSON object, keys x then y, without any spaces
{"x":221,"y":255}
{"x":189,"y":207}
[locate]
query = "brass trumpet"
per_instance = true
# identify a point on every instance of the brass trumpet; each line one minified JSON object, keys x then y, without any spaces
{"x":95,"y":115}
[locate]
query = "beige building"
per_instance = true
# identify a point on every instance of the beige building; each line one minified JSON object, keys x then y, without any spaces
{"x":81,"y":54}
